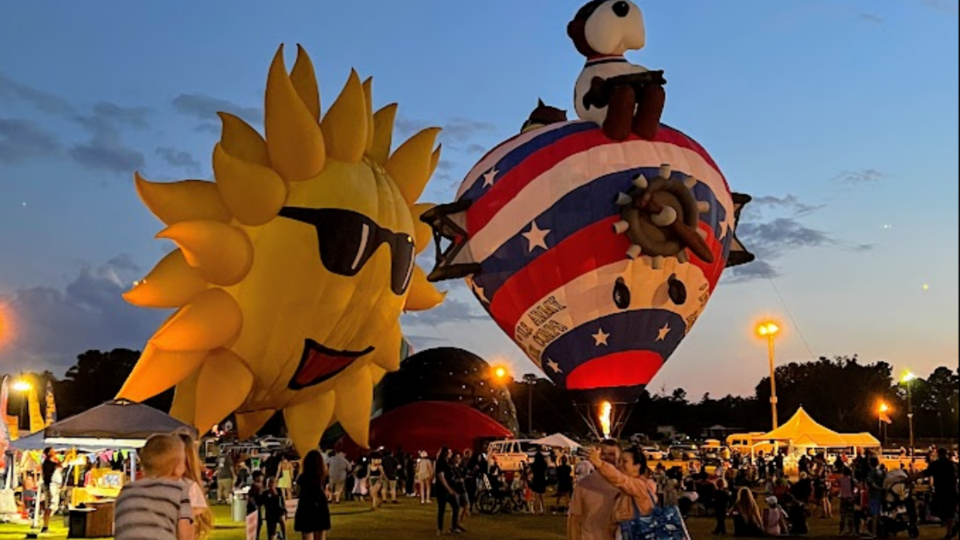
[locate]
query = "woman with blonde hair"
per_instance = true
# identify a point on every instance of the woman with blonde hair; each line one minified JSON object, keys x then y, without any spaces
{"x":202,"y":516}
{"x":747,"y":521}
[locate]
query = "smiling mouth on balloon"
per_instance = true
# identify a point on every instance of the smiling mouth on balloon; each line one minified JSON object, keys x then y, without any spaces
{"x":320,"y":363}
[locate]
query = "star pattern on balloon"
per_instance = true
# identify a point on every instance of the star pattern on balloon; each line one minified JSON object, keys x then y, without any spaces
{"x":536,"y":237}
{"x":662,"y":335}
{"x":481,"y":295}
{"x":554,"y":366}
{"x":490,"y":177}
{"x":600,"y":337}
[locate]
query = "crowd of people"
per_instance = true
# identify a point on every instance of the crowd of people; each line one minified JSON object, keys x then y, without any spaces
{"x":732,"y":492}
{"x":598,"y":490}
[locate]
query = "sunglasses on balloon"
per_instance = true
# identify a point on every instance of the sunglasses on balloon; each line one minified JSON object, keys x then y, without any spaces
{"x":347,"y":240}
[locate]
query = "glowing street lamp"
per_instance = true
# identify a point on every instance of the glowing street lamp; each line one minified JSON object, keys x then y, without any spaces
{"x":882,"y":415}
{"x":768,"y":330}
{"x":908,"y":377}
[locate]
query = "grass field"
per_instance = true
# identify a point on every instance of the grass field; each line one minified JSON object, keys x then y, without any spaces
{"x":411,"y":521}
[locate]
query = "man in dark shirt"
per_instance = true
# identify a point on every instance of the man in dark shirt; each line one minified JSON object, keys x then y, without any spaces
{"x":944,"y":474}
{"x":390,"y":466}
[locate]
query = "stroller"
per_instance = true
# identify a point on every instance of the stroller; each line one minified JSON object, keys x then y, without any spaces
{"x":898,"y":512}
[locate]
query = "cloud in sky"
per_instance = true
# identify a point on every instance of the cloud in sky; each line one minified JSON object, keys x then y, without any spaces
{"x":22,"y":140}
{"x":205,"y":108}
{"x":104,"y":149}
{"x":178,"y":158}
{"x":42,"y":101}
{"x":459,"y":305}
{"x":860,"y":176}
{"x":458,"y":133}
{"x":944,"y":6}
{"x":53,"y":325}
{"x":788,"y":203}
{"x":871,"y":18}
{"x":771,"y":226}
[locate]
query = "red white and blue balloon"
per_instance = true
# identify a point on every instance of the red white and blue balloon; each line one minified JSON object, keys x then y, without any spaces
{"x":585,"y":253}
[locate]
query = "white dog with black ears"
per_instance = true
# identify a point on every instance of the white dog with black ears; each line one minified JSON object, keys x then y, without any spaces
{"x":603,"y":31}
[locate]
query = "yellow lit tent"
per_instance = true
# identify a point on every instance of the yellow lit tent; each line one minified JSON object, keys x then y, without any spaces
{"x":805,"y":432}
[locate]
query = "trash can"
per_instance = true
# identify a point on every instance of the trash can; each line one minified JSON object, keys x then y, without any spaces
{"x":239,"y":507}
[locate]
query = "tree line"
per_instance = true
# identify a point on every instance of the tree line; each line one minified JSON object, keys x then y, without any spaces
{"x":841,"y":393}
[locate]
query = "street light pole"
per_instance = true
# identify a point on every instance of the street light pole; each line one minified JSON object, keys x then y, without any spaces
{"x":773,"y":381}
{"x":531,"y":380}
{"x":908,"y":379}
{"x":769,"y":330}
{"x":881,"y":429}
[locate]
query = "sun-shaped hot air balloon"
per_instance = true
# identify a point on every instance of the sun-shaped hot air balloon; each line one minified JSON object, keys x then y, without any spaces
{"x":293,"y":267}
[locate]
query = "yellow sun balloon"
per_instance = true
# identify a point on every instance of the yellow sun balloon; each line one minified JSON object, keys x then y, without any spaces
{"x":293,"y":267}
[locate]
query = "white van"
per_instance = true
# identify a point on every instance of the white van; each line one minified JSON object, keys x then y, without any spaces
{"x":510,"y":455}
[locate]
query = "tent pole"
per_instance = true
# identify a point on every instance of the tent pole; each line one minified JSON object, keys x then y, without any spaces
{"x":133,"y":466}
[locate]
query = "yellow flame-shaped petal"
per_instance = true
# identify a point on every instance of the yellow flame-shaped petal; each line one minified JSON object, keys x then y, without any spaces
{"x":239,"y":139}
{"x":253,"y":193}
{"x":294,"y":139}
{"x":248,"y":424}
{"x":211,"y":320}
{"x":423,"y":295}
{"x":171,"y":284}
{"x":304,"y":80}
{"x":222,"y":254}
{"x":377,"y":373}
{"x":387,"y":355}
{"x":224,"y":384}
{"x":422,"y":232}
{"x":184,"y":405}
{"x":158,"y":370}
{"x":185,"y":200}
{"x":368,"y":93}
{"x":435,"y":160}
{"x":344,"y":126}
{"x":383,"y":133}
{"x":307,"y":421}
{"x":354,"y":393}
{"x":409,"y":166}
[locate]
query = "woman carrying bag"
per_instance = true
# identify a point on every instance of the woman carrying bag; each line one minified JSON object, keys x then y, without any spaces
{"x":637,"y":511}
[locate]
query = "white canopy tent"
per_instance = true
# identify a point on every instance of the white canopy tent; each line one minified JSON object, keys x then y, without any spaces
{"x":557,"y":440}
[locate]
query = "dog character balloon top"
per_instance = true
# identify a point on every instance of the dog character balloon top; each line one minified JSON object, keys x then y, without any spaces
{"x":620,"y":96}
{"x":293,"y":267}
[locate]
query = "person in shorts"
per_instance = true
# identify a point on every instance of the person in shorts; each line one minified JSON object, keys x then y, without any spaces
{"x":390,"y":473}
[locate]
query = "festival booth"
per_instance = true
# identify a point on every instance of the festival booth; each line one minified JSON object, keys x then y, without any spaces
{"x":802,"y":433}
{"x":100,"y":450}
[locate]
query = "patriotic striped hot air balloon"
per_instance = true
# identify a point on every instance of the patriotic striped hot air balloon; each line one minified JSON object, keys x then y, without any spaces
{"x":595,"y":256}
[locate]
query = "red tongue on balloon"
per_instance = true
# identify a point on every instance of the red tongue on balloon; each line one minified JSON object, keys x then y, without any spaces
{"x":320,"y":363}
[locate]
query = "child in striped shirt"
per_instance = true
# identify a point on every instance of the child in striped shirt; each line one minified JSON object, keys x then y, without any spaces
{"x":156,"y":507}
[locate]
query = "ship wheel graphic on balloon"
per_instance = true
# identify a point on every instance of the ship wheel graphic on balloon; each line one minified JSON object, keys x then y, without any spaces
{"x":660,"y":215}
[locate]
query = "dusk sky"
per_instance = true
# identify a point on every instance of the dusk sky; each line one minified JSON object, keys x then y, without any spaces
{"x":839,"y":117}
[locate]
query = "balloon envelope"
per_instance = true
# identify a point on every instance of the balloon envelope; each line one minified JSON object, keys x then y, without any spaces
{"x":544,"y":224}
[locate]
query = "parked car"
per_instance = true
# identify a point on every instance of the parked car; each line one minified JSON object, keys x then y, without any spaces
{"x":683,"y":452}
{"x":652,"y":453}
{"x":510,"y":454}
